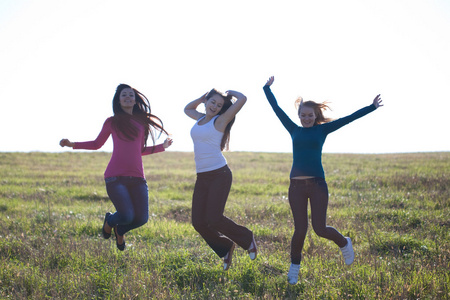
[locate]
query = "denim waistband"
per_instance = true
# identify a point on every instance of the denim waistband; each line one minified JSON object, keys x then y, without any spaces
{"x":123,"y":178}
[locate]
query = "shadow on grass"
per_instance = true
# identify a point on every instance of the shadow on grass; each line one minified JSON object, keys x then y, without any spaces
{"x":91,"y":197}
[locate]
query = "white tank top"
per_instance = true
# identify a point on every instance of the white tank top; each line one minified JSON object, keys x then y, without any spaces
{"x":207,"y":139}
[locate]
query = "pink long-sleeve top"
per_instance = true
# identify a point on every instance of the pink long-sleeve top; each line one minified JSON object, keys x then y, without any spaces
{"x":126,"y":159}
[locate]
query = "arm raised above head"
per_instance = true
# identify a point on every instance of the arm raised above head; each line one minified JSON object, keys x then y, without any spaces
{"x":225,"y":118}
{"x":336,"y":124}
{"x":282,"y":116}
{"x":191,"y":108}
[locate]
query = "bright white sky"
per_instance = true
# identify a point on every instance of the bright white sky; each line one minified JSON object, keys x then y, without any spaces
{"x":60,"y":62}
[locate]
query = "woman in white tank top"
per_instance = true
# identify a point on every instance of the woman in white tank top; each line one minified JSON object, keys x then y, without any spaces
{"x":211,"y":134}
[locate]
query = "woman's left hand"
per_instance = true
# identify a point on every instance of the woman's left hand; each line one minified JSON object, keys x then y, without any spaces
{"x":234,"y":94}
{"x":377,"y":101}
{"x":167,"y":142}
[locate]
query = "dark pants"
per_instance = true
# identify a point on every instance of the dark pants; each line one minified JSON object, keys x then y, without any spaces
{"x":130,"y":198}
{"x":316,"y":190}
{"x":208,"y":204}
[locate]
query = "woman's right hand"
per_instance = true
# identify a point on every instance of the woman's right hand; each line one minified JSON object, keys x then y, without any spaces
{"x":191,"y":108}
{"x":203,"y":97}
{"x":270,"y":81}
{"x":65,"y":142}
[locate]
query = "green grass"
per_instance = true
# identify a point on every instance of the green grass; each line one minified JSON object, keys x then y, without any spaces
{"x":395,"y":207}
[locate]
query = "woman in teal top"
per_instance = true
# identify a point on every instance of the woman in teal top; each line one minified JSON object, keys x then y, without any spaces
{"x":307,"y":178}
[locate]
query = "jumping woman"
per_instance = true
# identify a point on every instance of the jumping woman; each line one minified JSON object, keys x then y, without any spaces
{"x":307,"y":178}
{"x":211,"y":134}
{"x":126,"y":185}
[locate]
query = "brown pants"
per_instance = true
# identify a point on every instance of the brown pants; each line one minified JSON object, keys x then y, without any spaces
{"x":208,"y":204}
{"x":316,"y":190}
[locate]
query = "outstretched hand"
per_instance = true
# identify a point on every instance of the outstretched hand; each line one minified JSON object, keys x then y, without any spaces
{"x":167,"y":142}
{"x":65,"y":142}
{"x":270,"y":81}
{"x":377,"y":101}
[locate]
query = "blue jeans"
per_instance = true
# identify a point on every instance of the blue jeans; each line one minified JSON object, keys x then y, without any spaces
{"x":130,"y":198}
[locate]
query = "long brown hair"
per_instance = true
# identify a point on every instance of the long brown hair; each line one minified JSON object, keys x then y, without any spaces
{"x":318,"y":108}
{"x":227,"y":102}
{"x":141,"y":113}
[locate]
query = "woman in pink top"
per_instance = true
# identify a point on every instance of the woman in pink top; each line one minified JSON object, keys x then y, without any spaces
{"x":126,"y":186}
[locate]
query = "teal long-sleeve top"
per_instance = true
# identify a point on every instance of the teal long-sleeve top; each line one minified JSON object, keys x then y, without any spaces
{"x":307,"y":143}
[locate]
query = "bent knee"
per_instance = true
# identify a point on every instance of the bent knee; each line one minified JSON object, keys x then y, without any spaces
{"x":214,"y":222}
{"x":199,"y":225}
{"x":142,"y":220}
{"x":321,"y":231}
{"x":126,"y":219}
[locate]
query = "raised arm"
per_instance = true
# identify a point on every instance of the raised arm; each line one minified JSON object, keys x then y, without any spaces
{"x":282,"y":116}
{"x":336,"y":124}
{"x":225,"y":118}
{"x":191,"y":108}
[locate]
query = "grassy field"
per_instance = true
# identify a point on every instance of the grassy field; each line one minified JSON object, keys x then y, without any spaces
{"x":395,"y":208}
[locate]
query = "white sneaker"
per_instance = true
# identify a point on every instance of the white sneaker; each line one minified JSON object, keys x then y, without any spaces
{"x":252,"y":251}
{"x":347,"y":252}
{"x":293,"y":273}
